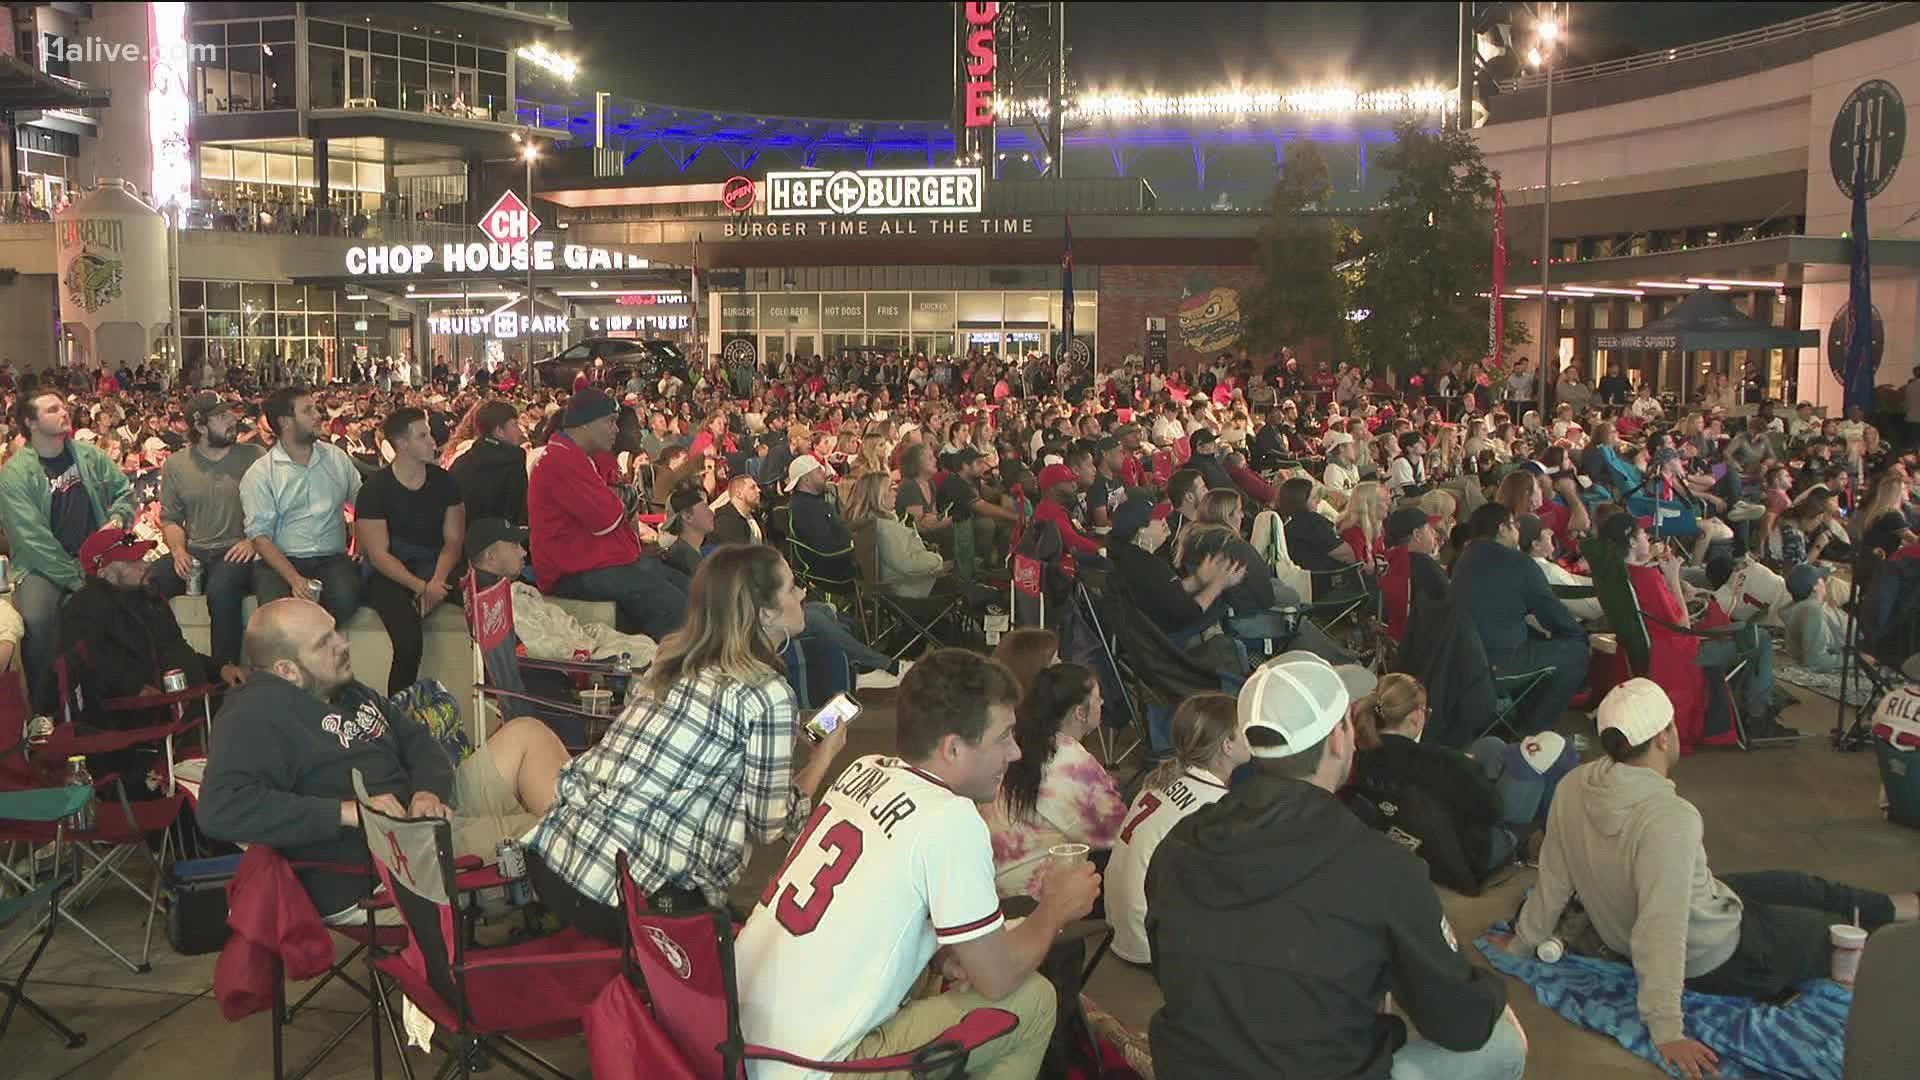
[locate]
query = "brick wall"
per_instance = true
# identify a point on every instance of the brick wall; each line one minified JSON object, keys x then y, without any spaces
{"x":1130,"y":295}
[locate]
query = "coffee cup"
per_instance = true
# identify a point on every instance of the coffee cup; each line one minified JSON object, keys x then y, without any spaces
{"x":1848,"y":943}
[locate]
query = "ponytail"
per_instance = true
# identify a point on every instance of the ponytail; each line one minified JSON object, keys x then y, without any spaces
{"x":1202,"y":724}
{"x":1397,"y":697}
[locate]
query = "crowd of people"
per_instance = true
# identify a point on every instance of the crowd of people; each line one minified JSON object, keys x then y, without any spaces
{"x":724,"y":513}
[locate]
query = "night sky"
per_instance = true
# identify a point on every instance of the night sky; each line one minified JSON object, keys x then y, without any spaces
{"x":892,"y":60}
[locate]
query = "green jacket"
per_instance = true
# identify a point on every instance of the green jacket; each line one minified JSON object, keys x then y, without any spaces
{"x":25,"y":504}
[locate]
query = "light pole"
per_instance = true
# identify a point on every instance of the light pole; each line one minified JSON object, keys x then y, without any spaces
{"x":1550,"y":35}
{"x":530,"y":152}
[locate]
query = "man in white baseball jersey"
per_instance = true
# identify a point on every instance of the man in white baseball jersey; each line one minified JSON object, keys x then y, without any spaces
{"x":895,"y":870}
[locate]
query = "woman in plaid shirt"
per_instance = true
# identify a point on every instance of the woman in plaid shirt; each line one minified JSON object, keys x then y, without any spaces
{"x":700,"y":769}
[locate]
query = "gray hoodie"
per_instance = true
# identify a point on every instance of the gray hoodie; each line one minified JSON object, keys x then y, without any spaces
{"x":1624,"y":840}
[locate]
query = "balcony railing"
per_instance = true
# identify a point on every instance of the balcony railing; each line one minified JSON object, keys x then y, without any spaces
{"x":1832,"y":18}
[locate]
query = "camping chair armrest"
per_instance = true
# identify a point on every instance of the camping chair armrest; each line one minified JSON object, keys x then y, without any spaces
{"x":1574,"y":592}
{"x":161,"y":700}
{"x":574,"y":667}
{"x":47,"y":804}
{"x":594,"y":956}
{"x":974,"y":1030}
{"x":1711,"y":632}
{"x":546,"y":703}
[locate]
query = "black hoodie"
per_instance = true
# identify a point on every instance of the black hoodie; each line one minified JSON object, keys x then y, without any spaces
{"x":493,"y":481}
{"x":1278,"y":919}
{"x":282,"y":762}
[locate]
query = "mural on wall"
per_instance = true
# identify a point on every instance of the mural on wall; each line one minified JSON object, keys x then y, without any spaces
{"x":1840,"y":334}
{"x":1209,"y":314}
{"x":94,"y":281}
{"x":1872,"y":127}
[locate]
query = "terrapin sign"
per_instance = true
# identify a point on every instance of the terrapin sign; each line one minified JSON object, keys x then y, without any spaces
{"x":867,"y":192}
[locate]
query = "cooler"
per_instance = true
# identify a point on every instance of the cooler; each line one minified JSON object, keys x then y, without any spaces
{"x":1896,"y":742}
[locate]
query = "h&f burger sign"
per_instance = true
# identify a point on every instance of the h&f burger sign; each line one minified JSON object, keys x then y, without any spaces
{"x":863,"y":192}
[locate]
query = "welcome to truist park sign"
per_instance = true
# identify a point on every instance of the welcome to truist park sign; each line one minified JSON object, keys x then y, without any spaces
{"x":509,"y":245}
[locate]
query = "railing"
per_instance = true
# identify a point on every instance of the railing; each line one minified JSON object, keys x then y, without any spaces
{"x":307,"y":221}
{"x":1843,"y":15}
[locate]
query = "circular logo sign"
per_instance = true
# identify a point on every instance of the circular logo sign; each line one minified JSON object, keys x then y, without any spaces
{"x":740,"y":351}
{"x":1078,"y":352}
{"x":737,"y":194}
{"x":1871,"y":130}
{"x":1840,"y":335}
{"x":845,"y":193}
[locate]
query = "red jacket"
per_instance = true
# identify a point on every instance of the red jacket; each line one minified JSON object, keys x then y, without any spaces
{"x":578,"y":523}
{"x":1048,"y":510}
{"x":270,"y":914}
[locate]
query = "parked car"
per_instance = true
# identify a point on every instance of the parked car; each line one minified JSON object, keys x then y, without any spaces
{"x":617,"y":360}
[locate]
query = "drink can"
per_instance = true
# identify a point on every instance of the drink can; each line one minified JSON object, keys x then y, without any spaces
{"x":580,"y":678}
{"x":314,"y":589}
{"x":173,"y":681}
{"x":1550,"y":951}
{"x":196,"y":578}
{"x":511,"y":861}
{"x":39,"y":730}
{"x":6,"y":574}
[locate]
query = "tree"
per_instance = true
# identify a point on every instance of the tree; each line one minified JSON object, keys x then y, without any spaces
{"x":1299,"y":295}
{"x":1427,"y":256}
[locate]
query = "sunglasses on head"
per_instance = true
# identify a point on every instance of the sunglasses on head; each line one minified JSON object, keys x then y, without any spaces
{"x":127,"y":539}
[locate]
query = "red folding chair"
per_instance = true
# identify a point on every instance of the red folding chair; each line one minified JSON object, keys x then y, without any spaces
{"x":121,"y":826}
{"x":1163,"y":466}
{"x":674,"y":1010}
{"x":499,"y":671}
{"x":481,"y":997}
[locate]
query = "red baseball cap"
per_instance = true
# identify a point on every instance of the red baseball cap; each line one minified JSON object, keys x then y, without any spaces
{"x":110,"y":545}
{"x":1054,"y":475}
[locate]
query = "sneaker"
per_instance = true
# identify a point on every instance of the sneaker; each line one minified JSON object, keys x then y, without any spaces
{"x":876,"y":680}
{"x":1746,"y":511}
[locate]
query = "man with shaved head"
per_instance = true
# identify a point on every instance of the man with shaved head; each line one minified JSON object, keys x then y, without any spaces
{"x":287,"y":742}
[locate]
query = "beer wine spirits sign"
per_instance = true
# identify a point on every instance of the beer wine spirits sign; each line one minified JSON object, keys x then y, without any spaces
{"x":1871,"y":127}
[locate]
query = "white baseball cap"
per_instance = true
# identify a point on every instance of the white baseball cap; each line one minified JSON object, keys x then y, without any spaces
{"x":1638,"y":709}
{"x":1299,"y":697}
{"x":1335,"y":439}
{"x":799,"y":469}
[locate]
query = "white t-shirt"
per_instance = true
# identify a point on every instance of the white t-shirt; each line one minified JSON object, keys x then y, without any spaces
{"x":1153,"y":814}
{"x":1341,"y":478}
{"x":892,"y":864}
{"x":1400,"y":474}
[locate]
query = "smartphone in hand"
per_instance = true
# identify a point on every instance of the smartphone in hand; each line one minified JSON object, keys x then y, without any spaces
{"x":840,"y":709}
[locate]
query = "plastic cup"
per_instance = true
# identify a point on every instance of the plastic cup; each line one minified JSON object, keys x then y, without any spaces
{"x":1848,"y":943}
{"x":597,"y":702}
{"x":1063,"y":856}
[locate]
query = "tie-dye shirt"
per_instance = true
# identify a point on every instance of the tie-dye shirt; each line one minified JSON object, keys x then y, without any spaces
{"x":1078,"y":804}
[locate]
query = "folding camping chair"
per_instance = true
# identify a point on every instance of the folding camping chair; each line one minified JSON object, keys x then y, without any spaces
{"x":40,"y":806}
{"x":811,"y":566}
{"x":1510,"y":692}
{"x":1161,"y":673}
{"x":1633,"y":628}
{"x":883,"y":615}
{"x":1359,"y":608}
{"x":499,"y":671}
{"x":677,"y":1002}
{"x":121,"y":826}
{"x":479,"y":996}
